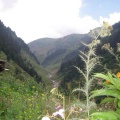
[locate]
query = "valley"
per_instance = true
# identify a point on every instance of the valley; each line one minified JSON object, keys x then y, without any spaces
{"x":51,"y":52}
{"x":51,"y":72}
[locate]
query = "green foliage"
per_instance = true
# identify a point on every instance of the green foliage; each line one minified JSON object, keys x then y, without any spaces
{"x":108,"y":99}
{"x":111,"y":89}
{"x":110,"y":115}
{"x":21,"y":99}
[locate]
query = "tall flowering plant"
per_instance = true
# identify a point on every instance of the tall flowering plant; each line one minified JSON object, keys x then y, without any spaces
{"x":90,"y":60}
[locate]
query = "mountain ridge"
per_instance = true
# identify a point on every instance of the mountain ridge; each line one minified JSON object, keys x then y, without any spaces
{"x":54,"y":51}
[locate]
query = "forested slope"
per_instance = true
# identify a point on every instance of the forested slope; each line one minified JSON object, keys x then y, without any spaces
{"x":15,"y":49}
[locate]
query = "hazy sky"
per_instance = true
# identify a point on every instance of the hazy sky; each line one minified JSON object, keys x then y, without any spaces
{"x":33,"y":19}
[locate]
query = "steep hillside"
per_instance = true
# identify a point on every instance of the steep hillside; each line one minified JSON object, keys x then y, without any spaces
{"x":40,"y":47}
{"x":22,"y":87}
{"x":51,"y":52}
{"x":16,"y":50}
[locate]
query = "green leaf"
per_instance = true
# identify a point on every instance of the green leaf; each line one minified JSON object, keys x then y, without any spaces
{"x":100,"y":75}
{"x":118,"y":110}
{"x":106,"y":100}
{"x":108,"y":92}
{"x":78,"y":89}
{"x":79,"y":104}
{"x":1,"y":111}
{"x":114,"y":80}
{"x":105,"y":115}
{"x":119,"y":103}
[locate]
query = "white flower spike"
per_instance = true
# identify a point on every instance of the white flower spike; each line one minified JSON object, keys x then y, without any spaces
{"x":61,"y":113}
{"x":45,"y":118}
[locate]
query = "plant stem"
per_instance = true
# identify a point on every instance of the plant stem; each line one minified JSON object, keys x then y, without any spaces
{"x":87,"y":83}
{"x":64,"y":105}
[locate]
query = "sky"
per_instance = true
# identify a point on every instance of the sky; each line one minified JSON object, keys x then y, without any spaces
{"x":34,"y":19}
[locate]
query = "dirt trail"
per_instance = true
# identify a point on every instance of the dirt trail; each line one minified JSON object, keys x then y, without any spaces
{"x":51,"y":78}
{"x":54,"y":83}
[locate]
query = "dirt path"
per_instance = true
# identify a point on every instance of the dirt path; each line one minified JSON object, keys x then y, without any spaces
{"x":54,"y":83}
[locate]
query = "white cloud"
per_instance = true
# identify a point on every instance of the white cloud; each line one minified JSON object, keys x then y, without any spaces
{"x":113,"y":18}
{"x":33,"y":19}
{"x":6,"y":4}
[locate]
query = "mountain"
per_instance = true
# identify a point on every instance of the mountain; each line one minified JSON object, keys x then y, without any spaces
{"x":51,"y":52}
{"x":40,"y":47}
{"x":18,"y":56}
